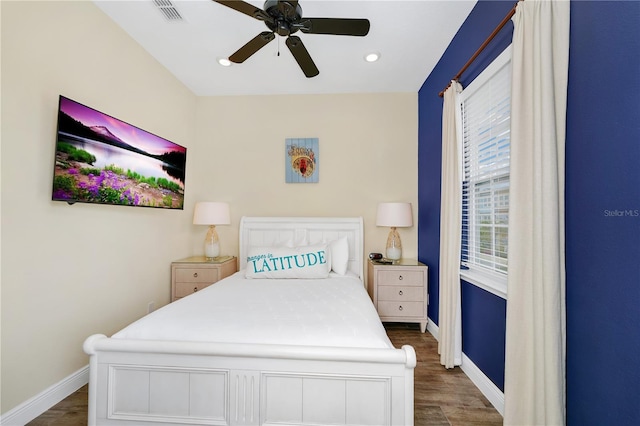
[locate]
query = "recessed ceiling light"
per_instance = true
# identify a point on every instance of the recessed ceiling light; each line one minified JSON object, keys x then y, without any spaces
{"x":372,"y":57}
{"x":224,"y":62}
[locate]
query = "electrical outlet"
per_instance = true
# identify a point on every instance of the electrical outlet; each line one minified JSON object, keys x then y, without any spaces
{"x":151,"y":307}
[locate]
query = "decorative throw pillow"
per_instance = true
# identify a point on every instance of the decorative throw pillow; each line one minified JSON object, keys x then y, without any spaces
{"x":288,"y":262}
{"x":339,"y":255}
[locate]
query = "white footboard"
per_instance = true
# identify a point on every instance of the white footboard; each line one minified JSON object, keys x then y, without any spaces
{"x":135,"y":382}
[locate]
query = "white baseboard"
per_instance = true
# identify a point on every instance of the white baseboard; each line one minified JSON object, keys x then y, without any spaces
{"x":482,"y":382}
{"x":46,"y":399}
{"x":433,"y":328}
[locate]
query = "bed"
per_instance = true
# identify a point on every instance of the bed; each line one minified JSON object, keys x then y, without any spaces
{"x":291,"y":350}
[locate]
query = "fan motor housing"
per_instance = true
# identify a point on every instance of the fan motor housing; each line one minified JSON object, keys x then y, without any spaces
{"x":284,"y":14}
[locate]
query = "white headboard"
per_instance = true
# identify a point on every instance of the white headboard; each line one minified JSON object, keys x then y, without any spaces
{"x":269,"y":231}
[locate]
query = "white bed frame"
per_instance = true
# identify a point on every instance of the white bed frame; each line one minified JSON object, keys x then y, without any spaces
{"x":138,"y":382}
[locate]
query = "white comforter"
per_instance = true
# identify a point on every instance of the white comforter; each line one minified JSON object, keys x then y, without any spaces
{"x":315,"y":312}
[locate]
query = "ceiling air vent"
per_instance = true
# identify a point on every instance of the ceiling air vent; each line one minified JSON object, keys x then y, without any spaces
{"x":168,"y":10}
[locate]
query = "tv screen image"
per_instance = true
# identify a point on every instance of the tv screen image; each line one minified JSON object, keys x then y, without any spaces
{"x":100,"y":159}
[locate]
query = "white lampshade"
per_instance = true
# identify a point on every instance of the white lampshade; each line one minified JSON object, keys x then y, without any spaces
{"x":397,"y":215}
{"x":211,"y":213}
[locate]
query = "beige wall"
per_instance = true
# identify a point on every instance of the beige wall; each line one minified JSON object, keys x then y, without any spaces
{"x":368,"y":153}
{"x":71,"y":271}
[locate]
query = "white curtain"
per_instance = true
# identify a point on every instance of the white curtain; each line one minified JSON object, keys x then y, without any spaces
{"x":449,"y":320}
{"x":535,"y":340}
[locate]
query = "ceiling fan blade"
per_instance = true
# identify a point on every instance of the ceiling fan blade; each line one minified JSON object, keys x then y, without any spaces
{"x":335,"y":26}
{"x":255,"y":44}
{"x":302,"y":56}
{"x":247,"y":9}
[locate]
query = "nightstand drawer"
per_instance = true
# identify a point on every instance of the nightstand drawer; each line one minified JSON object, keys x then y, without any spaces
{"x":185,"y":289}
{"x":400,"y":293}
{"x":196,"y":275}
{"x":398,"y":276}
{"x":400,"y":309}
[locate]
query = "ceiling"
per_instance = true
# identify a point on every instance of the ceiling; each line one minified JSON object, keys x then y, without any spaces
{"x":409,"y":35}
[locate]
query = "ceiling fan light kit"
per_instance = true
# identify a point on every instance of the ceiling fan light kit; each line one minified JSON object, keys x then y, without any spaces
{"x":284,"y":17}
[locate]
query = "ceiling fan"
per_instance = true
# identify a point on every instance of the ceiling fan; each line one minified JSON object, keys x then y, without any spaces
{"x":284,"y":17}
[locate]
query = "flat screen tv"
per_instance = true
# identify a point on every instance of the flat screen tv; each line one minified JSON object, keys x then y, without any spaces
{"x":100,"y":159}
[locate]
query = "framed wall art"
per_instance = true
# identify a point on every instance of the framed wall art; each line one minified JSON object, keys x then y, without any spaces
{"x":301,"y":160}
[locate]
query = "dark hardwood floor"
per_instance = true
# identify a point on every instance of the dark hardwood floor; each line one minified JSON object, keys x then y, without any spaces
{"x":442,"y":397}
{"x":71,"y":411}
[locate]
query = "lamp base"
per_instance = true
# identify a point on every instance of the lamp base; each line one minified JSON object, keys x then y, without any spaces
{"x":394,"y":246}
{"x":211,"y":252}
{"x":211,"y":244}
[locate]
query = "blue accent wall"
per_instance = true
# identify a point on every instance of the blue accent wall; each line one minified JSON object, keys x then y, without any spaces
{"x":483,"y":315}
{"x":603,"y":214}
{"x":602,"y":207}
{"x":482,"y":20}
{"x":483,"y":322}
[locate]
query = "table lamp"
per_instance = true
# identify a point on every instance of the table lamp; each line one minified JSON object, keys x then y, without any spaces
{"x":212,"y":214}
{"x":395,"y":215}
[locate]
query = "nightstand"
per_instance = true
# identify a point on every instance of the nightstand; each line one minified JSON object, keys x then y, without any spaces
{"x":195,"y":273}
{"x":399,"y":291}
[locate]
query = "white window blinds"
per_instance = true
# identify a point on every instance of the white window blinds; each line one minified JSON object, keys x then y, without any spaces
{"x":485,"y":110}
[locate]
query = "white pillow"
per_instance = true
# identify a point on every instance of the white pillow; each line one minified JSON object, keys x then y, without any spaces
{"x":288,"y":262}
{"x":339,"y":255}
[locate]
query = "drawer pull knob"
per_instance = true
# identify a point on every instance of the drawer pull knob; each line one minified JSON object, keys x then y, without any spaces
{"x":195,"y":289}
{"x":400,"y":292}
{"x":400,"y":277}
{"x":195,"y":275}
{"x":400,"y":308}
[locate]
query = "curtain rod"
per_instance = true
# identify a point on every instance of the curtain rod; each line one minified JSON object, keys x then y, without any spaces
{"x":482,"y":47}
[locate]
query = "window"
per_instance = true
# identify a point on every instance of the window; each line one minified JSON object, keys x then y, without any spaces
{"x":485,"y":108}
